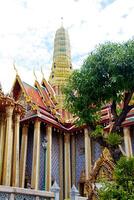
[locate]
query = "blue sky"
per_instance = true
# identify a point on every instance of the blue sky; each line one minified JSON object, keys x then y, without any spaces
{"x":27,"y":29}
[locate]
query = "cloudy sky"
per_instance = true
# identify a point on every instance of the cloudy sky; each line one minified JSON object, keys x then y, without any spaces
{"x":27,"y":29}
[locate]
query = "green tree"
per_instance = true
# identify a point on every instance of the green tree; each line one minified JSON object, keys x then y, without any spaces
{"x":122,"y":188}
{"x":105,"y":78}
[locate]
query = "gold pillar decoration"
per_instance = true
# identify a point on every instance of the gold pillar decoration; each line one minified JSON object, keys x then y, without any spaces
{"x":67,"y":167}
{"x":15,"y":175}
{"x":87,"y":153}
{"x":8,"y":147}
{"x":73,"y":148}
{"x":48,"y":157}
{"x":36,"y":156}
{"x":127,"y":141}
{"x":23,"y":154}
{"x":61,"y":165}
{"x":2,"y":141}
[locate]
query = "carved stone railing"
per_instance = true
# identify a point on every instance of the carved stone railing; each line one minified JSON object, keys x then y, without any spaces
{"x":12,"y":193}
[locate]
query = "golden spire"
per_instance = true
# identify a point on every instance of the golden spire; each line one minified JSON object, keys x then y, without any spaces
{"x":61,"y":67}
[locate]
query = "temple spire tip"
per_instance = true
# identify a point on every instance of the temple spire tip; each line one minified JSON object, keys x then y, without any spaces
{"x":42,"y":72}
{"x":61,"y":21}
{"x":34,"y":74}
{"x":14,"y":66}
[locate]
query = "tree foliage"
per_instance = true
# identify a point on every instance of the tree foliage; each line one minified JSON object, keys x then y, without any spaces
{"x":114,"y":139}
{"x":122,"y":188}
{"x":105,"y":78}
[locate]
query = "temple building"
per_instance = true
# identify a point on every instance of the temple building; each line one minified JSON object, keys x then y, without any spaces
{"x":10,"y":114}
{"x":40,"y":144}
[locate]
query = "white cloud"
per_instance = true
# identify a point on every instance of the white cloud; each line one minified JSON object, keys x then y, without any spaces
{"x":27,"y":29}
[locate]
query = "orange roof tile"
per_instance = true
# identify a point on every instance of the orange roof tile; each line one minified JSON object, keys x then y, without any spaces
{"x":46,"y":94}
{"x":34,"y":94}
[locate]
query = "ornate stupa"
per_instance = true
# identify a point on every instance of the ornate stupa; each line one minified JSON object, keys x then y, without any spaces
{"x":61,"y":67}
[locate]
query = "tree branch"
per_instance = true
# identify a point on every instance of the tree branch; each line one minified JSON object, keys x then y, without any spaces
{"x":125,"y":110}
{"x":127,"y":98}
{"x":117,"y":151}
{"x":113,"y":109}
{"x":121,"y":118}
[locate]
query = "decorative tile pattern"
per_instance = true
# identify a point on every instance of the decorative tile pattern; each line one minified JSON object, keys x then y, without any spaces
{"x":80,"y":156}
{"x":24,"y":197}
{"x":96,"y":151}
{"x":44,"y":198}
{"x":30,"y":152}
{"x":4,"y":196}
{"x":42,"y":160}
{"x":55,"y":157}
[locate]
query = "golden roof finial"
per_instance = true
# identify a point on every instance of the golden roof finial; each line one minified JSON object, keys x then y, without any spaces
{"x":15,"y":68}
{"x":42,"y":72}
{"x":34,"y":74}
{"x":61,"y":21}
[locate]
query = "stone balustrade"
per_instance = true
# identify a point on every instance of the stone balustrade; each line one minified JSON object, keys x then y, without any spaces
{"x":14,"y":193}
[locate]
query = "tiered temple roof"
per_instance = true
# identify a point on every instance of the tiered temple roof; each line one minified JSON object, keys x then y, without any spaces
{"x":40,"y":101}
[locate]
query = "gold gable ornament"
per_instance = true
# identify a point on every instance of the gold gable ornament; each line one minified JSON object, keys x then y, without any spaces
{"x":103,"y":169}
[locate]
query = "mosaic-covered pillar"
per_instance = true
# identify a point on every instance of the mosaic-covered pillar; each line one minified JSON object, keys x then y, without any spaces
{"x":87,"y":153}
{"x":48,"y":157}
{"x":67,"y":167}
{"x":23,"y":154}
{"x":2,"y":140}
{"x":8,"y":147}
{"x":61,"y":164}
{"x":73,"y":156}
{"x":127,"y":141}
{"x":36,"y":156}
{"x":15,"y":169}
